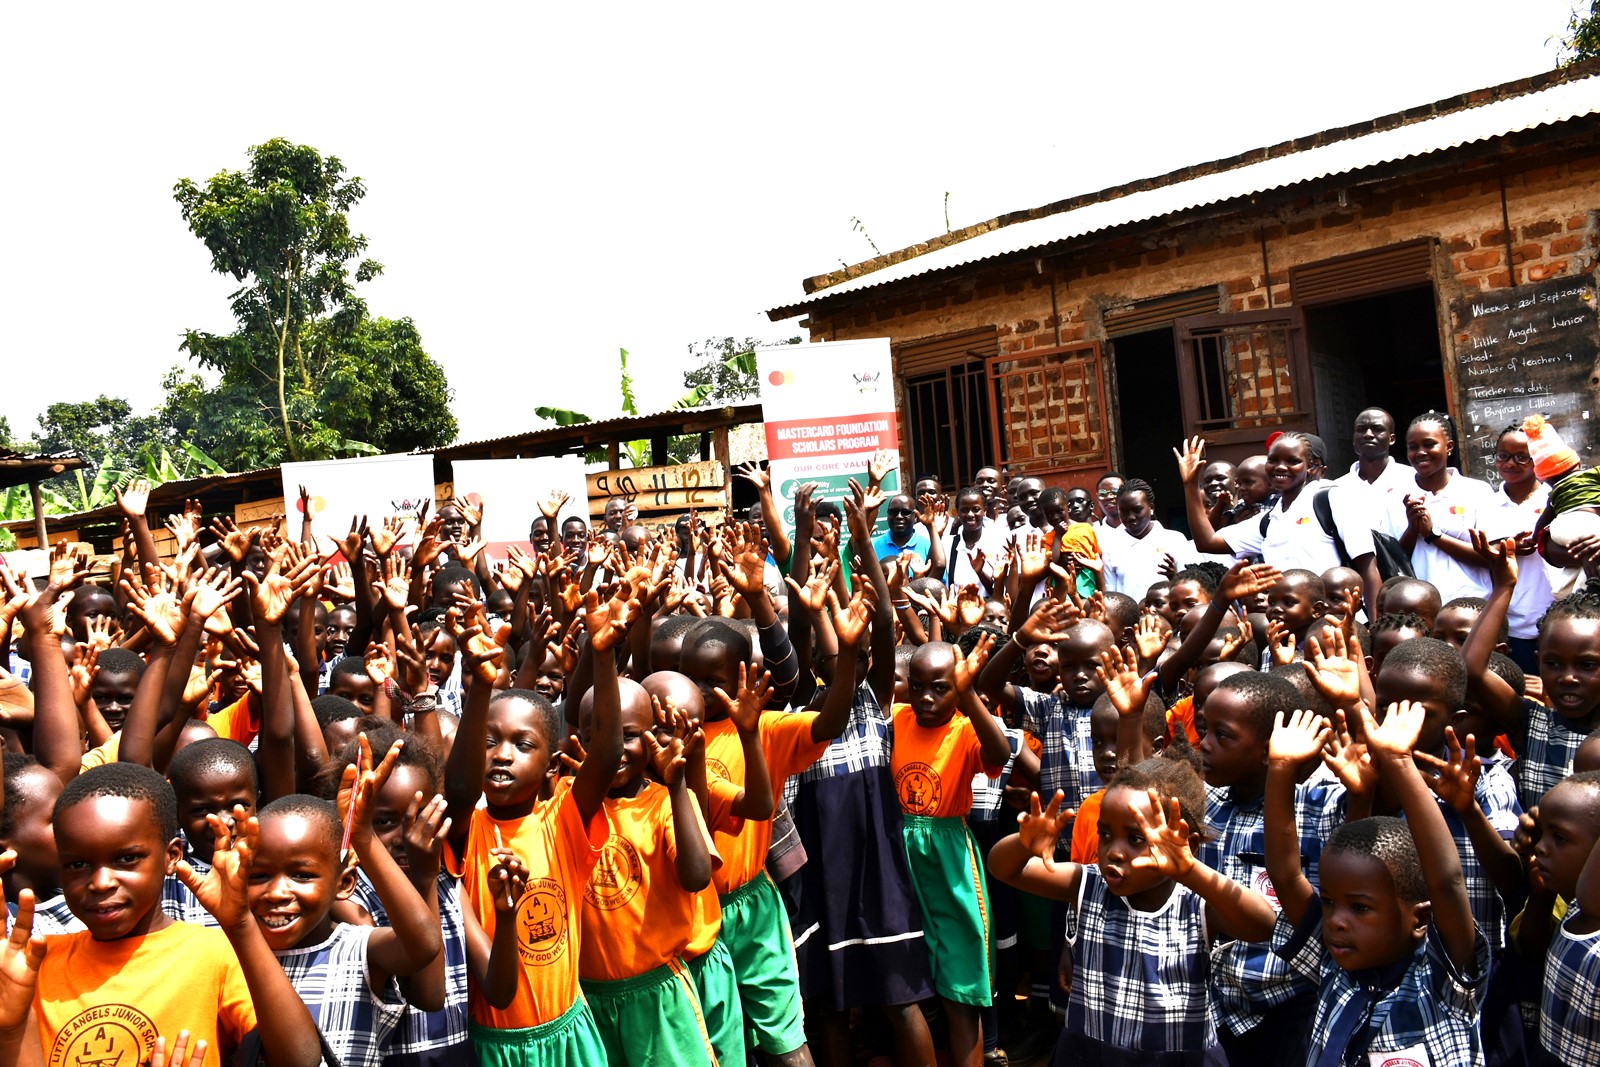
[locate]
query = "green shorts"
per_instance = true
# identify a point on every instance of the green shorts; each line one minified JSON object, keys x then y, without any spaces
{"x":718,"y":987}
{"x":569,"y":1040}
{"x":652,"y":1018}
{"x":756,"y":930}
{"x":947,"y":874}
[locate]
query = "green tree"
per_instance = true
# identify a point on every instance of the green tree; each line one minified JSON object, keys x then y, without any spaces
{"x":724,"y":371}
{"x":306,"y":374}
{"x":1583,"y":34}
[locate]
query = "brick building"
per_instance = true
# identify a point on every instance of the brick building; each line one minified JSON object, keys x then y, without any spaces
{"x":1283,"y":288}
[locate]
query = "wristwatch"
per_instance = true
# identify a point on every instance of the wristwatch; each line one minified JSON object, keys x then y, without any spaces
{"x":1431,"y":536}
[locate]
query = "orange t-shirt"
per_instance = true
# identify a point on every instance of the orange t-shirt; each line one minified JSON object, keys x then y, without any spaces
{"x":101,"y":754}
{"x":1182,"y":714}
{"x":106,"y":1002}
{"x":786,"y":742}
{"x":1080,"y":539}
{"x":705,"y":913}
{"x":933,"y":765}
{"x":636,"y":915}
{"x":1086,"y":829}
{"x":559,"y":851}
{"x":238,"y":721}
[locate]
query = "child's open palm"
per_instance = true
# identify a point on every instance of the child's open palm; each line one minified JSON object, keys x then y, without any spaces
{"x":1048,"y":623}
{"x":1332,"y":669}
{"x":1167,"y":837}
{"x":1149,"y":637}
{"x":1246,"y":580}
{"x":1457,"y":781}
{"x":21,"y":956}
{"x":1397,"y":734}
{"x":1280,"y":639}
{"x":1040,"y":830}
{"x":224,"y":889}
{"x":1349,"y":759}
{"x":968,"y":667}
{"x":1128,"y":688}
{"x":754,"y":692}
{"x":1298,"y":738}
{"x":667,"y":757}
{"x":1499,"y":556}
{"x":425,"y":827}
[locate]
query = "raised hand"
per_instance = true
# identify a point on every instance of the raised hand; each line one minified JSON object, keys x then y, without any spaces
{"x":852,"y":622}
{"x":1246,"y":580}
{"x":224,"y":890}
{"x":1149,"y":637}
{"x":1457,"y":781}
{"x":1128,"y":687}
{"x":1033,"y":557}
{"x":1397,"y":734}
{"x":428,"y":545}
{"x":508,"y":880}
{"x":883,"y":461}
{"x":608,"y":623}
{"x":134,"y":498}
{"x":1499,"y":556}
{"x":968,"y":666}
{"x":273,"y":593}
{"x":161,"y":611}
{"x":814,"y":595}
{"x":1303,"y":735}
{"x":1191,"y":459}
{"x":471,"y":513}
{"x":425,"y":827}
{"x":379,"y":663}
{"x":467,"y":551}
{"x":69,"y":566}
{"x":1040,"y":830}
{"x":235,"y":542}
{"x":551,"y":503}
{"x":1349,"y":759}
{"x":360,"y":786}
{"x":747,"y":563}
{"x":1167,"y":835}
{"x":1280,"y":639}
{"x":754,"y":692}
{"x":1048,"y":623}
{"x":386,"y":536}
{"x":752,"y":473}
{"x":21,"y":956}
{"x":667,"y":757}
{"x":1334,"y":672}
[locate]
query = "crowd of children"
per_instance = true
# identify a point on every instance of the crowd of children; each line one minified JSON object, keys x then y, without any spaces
{"x":1023,"y":773}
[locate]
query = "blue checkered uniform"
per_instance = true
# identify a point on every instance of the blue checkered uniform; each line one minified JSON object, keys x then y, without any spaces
{"x":332,"y":980}
{"x":1140,"y":976}
{"x":1248,"y":978}
{"x":1422,"y":1003}
{"x":988,"y":794}
{"x":1497,"y":796}
{"x":424,"y":1034}
{"x":1569,"y":1014}
{"x":1066,"y":753}
{"x":1546,"y":758}
{"x":54,"y":917}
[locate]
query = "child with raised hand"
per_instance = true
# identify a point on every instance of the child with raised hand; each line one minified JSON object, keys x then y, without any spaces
{"x":934,"y":755}
{"x":1147,"y":916}
{"x":1400,"y":961}
{"x":638,"y":905}
{"x":213,"y":776}
{"x":524,"y":1000}
{"x":1565,"y":865}
{"x":117,"y":837}
{"x":346,"y":973}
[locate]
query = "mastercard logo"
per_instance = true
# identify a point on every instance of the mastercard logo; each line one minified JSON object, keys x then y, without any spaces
{"x":316,"y":502}
{"x":1304,"y":520}
{"x":780,"y":377}
{"x":1457,"y":509}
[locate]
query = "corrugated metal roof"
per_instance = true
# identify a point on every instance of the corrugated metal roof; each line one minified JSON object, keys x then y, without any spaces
{"x":1556,"y":103}
{"x":605,"y":429}
{"x":17,"y":468}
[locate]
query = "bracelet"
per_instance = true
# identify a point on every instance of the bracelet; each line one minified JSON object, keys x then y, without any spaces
{"x":898,"y":604}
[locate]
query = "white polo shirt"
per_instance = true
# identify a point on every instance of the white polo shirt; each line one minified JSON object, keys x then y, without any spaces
{"x":1535,"y":590}
{"x":1456,"y":510}
{"x":1294,"y":537}
{"x":1133,"y":564}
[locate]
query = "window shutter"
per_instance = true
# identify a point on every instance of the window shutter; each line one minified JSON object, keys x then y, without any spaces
{"x":1383,"y":270}
{"x":935,"y":354}
{"x":1161,"y":311}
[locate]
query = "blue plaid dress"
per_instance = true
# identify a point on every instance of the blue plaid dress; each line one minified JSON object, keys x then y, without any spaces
{"x":1066,"y":753}
{"x":332,"y":980}
{"x":1140,"y":976}
{"x":1546,"y":758}
{"x":1497,"y":796}
{"x":1569,"y":1017}
{"x":430,"y":1036}
{"x":858,"y":930}
{"x":1248,"y":979}
{"x":1423,"y":1006}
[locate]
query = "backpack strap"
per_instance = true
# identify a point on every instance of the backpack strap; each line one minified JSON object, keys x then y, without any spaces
{"x":1322,"y":507}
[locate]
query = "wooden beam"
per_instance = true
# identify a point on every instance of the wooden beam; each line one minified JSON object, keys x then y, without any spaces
{"x":38,"y":515}
{"x":613,"y":455}
{"x":719,"y":446}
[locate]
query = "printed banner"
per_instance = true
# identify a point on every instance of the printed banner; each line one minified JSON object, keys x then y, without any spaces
{"x":829,"y":407}
{"x":375,"y":486}
{"x":510,"y":491}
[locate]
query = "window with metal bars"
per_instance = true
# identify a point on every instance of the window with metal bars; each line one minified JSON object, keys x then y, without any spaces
{"x":1050,"y":409}
{"x":1245,"y":372}
{"x":947,"y":424}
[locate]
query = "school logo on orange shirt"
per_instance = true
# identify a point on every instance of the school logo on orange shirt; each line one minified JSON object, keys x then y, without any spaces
{"x":615,"y":878}
{"x":106,"y":1035}
{"x":542,"y":922}
{"x":718,"y":768}
{"x":918,"y":787}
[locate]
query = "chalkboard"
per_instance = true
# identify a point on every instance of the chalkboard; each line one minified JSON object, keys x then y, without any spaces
{"x":1531,"y":348}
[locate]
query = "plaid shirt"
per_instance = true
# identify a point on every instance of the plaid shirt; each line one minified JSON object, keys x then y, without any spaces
{"x":1497,"y":796}
{"x":1546,"y":759}
{"x":1428,"y":1008}
{"x":1248,"y":978}
{"x":1066,"y":758}
{"x":427,"y":1031}
{"x":177,"y":901}
{"x":1569,"y":1017}
{"x":1139,"y":981}
{"x":55,"y":911}
{"x":989,"y":793}
{"x":332,"y":980}
{"x":864,"y":743}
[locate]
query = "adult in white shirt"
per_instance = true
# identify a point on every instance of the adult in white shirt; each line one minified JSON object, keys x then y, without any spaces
{"x":1375,"y":470}
{"x":1522,"y":498}
{"x":1135,"y":562}
{"x":1290,"y":534}
{"x":971,"y":553}
{"x":1435,"y":518}
{"x":1106,"y":491}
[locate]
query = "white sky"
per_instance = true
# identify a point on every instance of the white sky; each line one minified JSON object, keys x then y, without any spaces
{"x":548,"y":183}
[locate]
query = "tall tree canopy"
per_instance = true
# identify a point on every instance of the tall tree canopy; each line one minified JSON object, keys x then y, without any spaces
{"x":306,"y":374}
{"x":1582,"y":40}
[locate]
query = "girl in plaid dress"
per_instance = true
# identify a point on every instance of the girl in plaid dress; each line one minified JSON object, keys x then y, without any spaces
{"x":1147,"y":913}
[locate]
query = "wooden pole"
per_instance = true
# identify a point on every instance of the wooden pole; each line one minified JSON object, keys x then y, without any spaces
{"x":38,"y":516}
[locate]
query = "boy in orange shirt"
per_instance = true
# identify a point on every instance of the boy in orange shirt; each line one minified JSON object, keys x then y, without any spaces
{"x":524,"y":1001}
{"x":104,"y":994}
{"x":934,"y":756}
{"x":638,"y":905}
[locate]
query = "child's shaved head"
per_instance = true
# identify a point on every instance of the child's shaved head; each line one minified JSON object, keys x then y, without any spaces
{"x":1387,"y":840}
{"x":315,"y":810}
{"x":671,"y":687}
{"x":130,"y":781}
